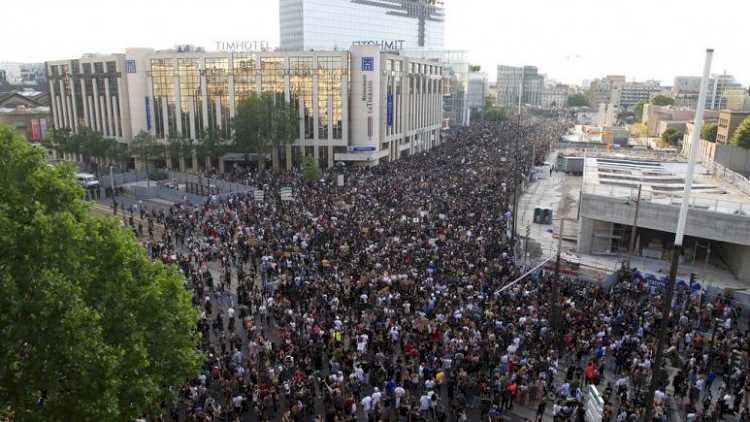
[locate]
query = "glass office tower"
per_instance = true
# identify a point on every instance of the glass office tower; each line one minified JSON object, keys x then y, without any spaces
{"x":336,"y":24}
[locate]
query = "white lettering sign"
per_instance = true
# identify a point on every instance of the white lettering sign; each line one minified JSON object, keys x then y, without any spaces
{"x":242,"y":46}
{"x":384,"y":44}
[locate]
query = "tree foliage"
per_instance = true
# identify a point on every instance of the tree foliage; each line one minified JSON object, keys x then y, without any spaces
{"x":264,"y":122}
{"x":210,"y":144}
{"x":672,"y":136}
{"x":709,"y":132}
{"x":741,"y":137}
{"x":91,"y":329}
{"x":496,"y":114}
{"x":86,"y":141}
{"x":178,"y":146}
{"x":311,"y":169}
{"x":578,"y":100}
{"x":662,"y":100}
{"x":145,"y":147}
{"x":638,"y":111}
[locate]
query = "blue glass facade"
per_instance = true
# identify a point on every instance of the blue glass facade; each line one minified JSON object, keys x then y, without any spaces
{"x":336,"y":24}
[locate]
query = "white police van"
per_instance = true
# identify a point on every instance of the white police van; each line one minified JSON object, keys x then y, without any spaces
{"x":87,"y":180}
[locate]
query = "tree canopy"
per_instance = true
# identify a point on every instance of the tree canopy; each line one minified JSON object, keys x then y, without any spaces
{"x":496,"y":114}
{"x":638,"y":111}
{"x":85,"y":141}
{"x":741,"y":137}
{"x":265,"y":122}
{"x":91,"y":329}
{"x":578,"y":100}
{"x":145,"y":147}
{"x":662,"y":100}
{"x":311,"y":169}
{"x":672,"y":136}
{"x":709,"y":132}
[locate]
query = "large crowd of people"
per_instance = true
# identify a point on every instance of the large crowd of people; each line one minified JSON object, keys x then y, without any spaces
{"x":380,"y":300}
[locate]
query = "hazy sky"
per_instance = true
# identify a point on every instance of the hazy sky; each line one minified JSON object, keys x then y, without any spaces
{"x":569,"y":40}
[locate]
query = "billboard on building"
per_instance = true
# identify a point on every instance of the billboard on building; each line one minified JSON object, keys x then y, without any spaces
{"x":35,"y":130}
{"x":43,"y":127}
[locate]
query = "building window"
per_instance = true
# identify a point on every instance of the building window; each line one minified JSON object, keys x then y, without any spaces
{"x":244,"y":70}
{"x":216,"y":71}
{"x":301,"y":85}
{"x":162,"y":83}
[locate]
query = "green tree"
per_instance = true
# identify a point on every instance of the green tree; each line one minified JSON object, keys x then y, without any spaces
{"x":118,"y":154}
{"x":638,"y":111}
{"x":496,"y":114}
{"x":92,"y":144}
{"x":179,"y":146}
{"x":58,"y":139}
{"x":489,"y":102}
{"x":311,"y":169}
{"x":578,"y":100}
{"x":672,"y":136}
{"x":741,"y":137}
{"x":709,"y":132}
{"x":145,"y":147}
{"x":263,"y":123}
{"x":92,"y":329}
{"x":662,"y":100}
{"x":210,"y":145}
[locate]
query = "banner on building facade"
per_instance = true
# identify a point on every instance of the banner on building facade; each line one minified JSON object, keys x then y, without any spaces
{"x":389,"y":109}
{"x":35,"y":131}
{"x":43,"y":127}
{"x":148,"y":114}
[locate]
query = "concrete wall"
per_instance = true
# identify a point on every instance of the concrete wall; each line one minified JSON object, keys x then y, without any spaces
{"x":737,"y":257}
{"x":703,"y":224}
{"x":734,"y":158}
{"x":706,"y":150}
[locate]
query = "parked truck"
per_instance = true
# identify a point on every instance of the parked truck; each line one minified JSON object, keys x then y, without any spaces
{"x":572,"y":165}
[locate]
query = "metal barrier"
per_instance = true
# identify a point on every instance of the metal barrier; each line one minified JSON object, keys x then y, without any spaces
{"x":696,"y":201}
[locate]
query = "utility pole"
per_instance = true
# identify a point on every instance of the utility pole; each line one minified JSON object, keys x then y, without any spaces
{"x":555,"y":311}
{"x":112,"y":187}
{"x":631,"y":248}
{"x":516,"y":188}
{"x":526,"y":243}
{"x":669,"y":293}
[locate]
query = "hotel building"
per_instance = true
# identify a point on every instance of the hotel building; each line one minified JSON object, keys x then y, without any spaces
{"x":362,"y":105}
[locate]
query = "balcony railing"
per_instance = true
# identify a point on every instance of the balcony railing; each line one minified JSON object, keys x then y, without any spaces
{"x":696,"y":201}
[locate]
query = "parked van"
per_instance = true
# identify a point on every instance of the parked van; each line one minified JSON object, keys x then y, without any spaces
{"x":87,"y":180}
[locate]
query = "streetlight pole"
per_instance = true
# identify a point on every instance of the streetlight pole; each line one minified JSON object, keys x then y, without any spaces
{"x":112,"y":187}
{"x":555,"y":311}
{"x":631,"y":248}
{"x":516,"y":187}
{"x":680,"y":232}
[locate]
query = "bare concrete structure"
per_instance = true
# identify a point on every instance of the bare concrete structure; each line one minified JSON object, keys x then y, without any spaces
{"x":718,"y":223}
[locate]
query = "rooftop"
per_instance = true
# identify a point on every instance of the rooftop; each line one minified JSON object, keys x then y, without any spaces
{"x":662,"y":182}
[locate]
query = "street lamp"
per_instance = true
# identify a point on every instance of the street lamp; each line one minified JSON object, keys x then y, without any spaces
{"x":339,"y":167}
{"x":631,"y":247}
{"x":669,"y":293}
{"x":555,"y":311}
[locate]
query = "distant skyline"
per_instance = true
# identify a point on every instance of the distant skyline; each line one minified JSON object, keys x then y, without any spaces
{"x":568,"y":41}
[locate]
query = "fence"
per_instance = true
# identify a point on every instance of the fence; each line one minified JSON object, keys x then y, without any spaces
{"x":730,"y":176}
{"x":220,"y":185}
{"x":122,"y":178}
{"x":168,"y":194}
{"x":696,"y":201}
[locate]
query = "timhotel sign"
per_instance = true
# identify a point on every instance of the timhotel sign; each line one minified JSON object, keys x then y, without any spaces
{"x":246,"y":45}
